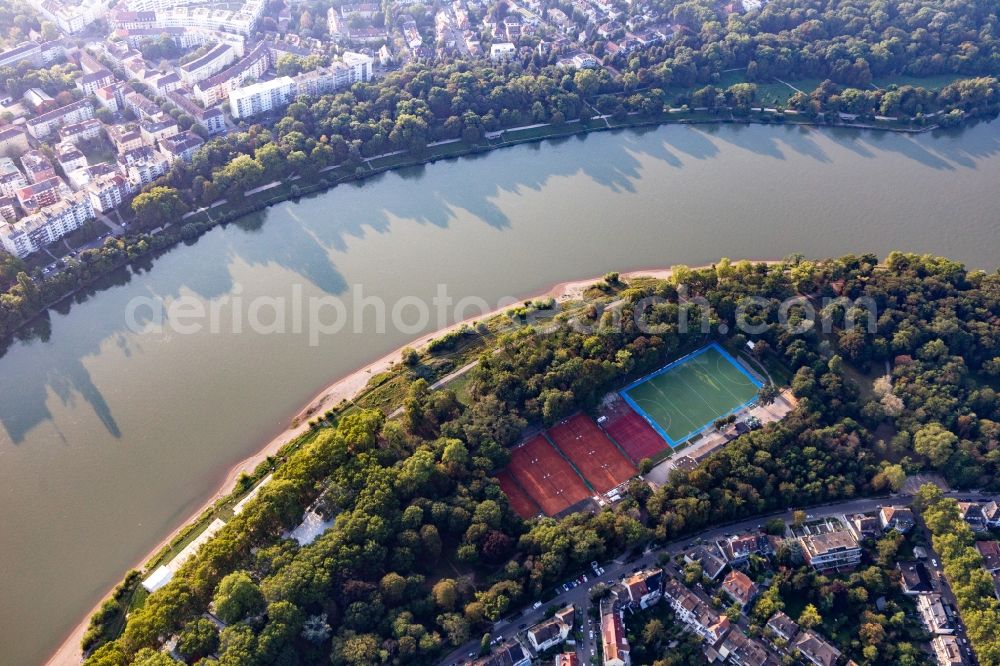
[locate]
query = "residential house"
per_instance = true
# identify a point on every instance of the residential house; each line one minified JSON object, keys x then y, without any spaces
{"x":831,"y":550}
{"x":510,"y":653}
{"x":552,"y":632}
{"x":990,"y":550}
{"x":614,"y":643}
{"x":644,"y":588}
{"x":567,"y":659}
{"x":738,"y":549}
{"x":947,"y":651}
{"x":783,"y":627}
{"x":914,"y":578}
{"x":736,"y":648}
{"x":864,"y":526}
{"x":709,"y":557}
{"x":697,"y":614}
{"x":814,"y":649}
{"x":991,"y":513}
{"x":972,"y":513}
{"x":738,"y":587}
{"x":899,"y":518}
{"x":934,"y":614}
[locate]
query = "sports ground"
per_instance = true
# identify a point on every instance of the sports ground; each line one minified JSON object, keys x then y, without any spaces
{"x":546,"y":476}
{"x":597,"y":458}
{"x":687,"y":396}
{"x":553,"y":471}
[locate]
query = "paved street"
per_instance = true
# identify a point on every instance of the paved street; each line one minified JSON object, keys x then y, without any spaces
{"x":616,"y":569}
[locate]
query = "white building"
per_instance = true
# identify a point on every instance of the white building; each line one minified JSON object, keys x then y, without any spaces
{"x":216,"y":88}
{"x":108,"y":191}
{"x":209,"y":64}
{"x":502,"y":51}
{"x":34,"y":232}
{"x":262,"y":97}
{"x":42,"y":126}
{"x":155,"y":14}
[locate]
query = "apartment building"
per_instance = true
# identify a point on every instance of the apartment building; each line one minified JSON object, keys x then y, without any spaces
{"x":158,"y":127}
{"x":11,"y":178}
{"x":37,"y":166}
{"x":947,"y":651}
{"x":698,"y":615}
{"x":70,"y":158}
{"x":108,"y":191}
{"x":25,"y":51}
{"x":85,"y":130}
{"x":213,"y":120}
{"x":216,"y":88}
{"x":91,"y":83}
{"x":41,"y":127}
{"x":181,"y":146}
{"x":34,"y":232}
{"x":934,"y":614}
{"x":132,"y":15}
{"x":36,"y":196}
{"x":143,"y":165}
{"x":830,"y":550}
{"x":213,"y":62}
{"x":262,"y":97}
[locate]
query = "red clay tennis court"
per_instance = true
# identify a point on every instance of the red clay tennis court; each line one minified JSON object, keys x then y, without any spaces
{"x":631,"y":432}
{"x":546,"y":476}
{"x":519,"y":500}
{"x":596,"y":456}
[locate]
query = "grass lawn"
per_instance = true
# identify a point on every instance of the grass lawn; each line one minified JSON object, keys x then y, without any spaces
{"x":683,"y":399}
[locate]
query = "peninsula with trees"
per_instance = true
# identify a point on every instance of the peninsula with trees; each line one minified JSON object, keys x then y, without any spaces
{"x":382,"y":535}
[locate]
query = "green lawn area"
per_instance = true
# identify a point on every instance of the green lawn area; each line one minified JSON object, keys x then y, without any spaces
{"x":687,"y":397}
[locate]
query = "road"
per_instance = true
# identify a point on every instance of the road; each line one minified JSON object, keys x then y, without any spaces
{"x":615,"y":570}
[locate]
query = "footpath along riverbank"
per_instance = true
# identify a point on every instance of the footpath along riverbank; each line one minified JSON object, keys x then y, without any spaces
{"x":344,"y":388}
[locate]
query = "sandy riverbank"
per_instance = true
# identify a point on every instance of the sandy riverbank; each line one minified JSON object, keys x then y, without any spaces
{"x":342,"y":389}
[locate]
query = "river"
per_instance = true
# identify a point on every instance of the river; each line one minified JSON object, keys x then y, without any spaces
{"x":109,"y":436}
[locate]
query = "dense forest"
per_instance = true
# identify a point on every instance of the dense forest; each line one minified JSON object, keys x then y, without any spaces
{"x":425,"y":551}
